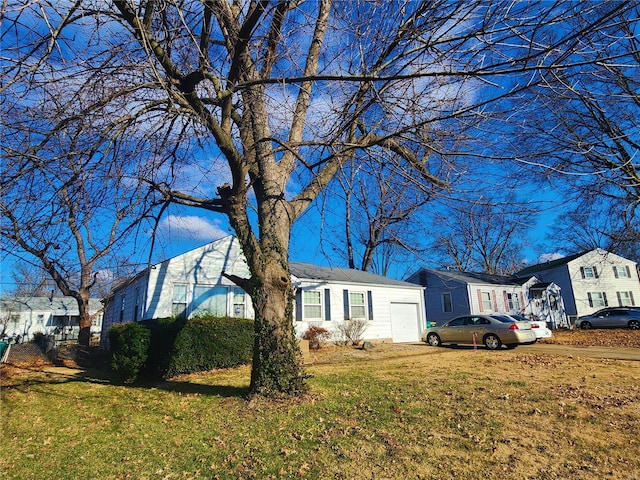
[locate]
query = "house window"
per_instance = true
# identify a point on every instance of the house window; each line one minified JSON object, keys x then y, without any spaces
{"x":597,"y":299}
{"x":137,"y":305}
{"x":589,"y":272}
{"x":122,"y":305}
{"x":486,"y":301}
{"x":513,"y":302}
{"x":621,"y":272}
{"x":211,"y":300}
{"x":312,"y":304}
{"x":625,"y":299}
{"x":357,"y":305}
{"x":179,"y":306}
{"x":40,"y":319}
{"x":447,"y":306}
{"x":239,"y":302}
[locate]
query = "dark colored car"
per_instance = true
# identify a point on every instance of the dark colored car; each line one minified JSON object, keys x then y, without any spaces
{"x":620,"y":317}
{"x":491,"y":330}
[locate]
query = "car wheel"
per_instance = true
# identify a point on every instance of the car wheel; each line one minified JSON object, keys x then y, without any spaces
{"x":634,"y":324}
{"x":434,"y":340}
{"x":586,"y":325}
{"x":492,"y":342}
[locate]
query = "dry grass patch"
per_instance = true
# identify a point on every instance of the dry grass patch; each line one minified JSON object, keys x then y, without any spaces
{"x":412,"y":412}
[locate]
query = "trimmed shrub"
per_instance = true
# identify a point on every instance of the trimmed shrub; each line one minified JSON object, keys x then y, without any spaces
{"x":317,"y":336}
{"x":129,"y":349}
{"x":208,"y":342}
{"x":164,"y":332}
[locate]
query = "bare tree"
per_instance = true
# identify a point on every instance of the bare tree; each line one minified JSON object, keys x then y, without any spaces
{"x":31,"y":281}
{"x":282,"y":94}
{"x":583,"y":128}
{"x":381,"y":198}
{"x":482,"y":236}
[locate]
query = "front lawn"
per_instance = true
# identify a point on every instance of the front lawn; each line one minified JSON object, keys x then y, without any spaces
{"x":431,"y":414}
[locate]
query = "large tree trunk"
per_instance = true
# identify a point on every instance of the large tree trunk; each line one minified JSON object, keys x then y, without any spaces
{"x":85,"y":321}
{"x":277,"y":361}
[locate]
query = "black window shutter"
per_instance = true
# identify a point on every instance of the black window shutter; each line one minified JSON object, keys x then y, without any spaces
{"x":370,"y":303}
{"x":582,"y":272}
{"x":590,"y":300}
{"x":632,"y":300}
{"x":595,"y":272}
{"x":327,"y":304}
{"x":604,"y":295}
{"x":619,"y":299}
{"x":615,"y":272}
{"x":628,"y":271}
{"x":299,"y":305}
{"x":345,"y":301}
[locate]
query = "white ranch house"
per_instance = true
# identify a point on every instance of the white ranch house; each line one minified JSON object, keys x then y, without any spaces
{"x":591,"y":280}
{"x":23,"y":317}
{"x":194,"y":283}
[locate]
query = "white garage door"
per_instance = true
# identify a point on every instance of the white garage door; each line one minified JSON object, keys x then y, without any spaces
{"x":404,"y":322}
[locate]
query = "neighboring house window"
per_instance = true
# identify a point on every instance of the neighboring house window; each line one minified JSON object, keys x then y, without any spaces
{"x":597,"y":299}
{"x":179,"y":306}
{"x":486,"y":301}
{"x":625,"y":299}
{"x":211,"y":300}
{"x":239,"y":303}
{"x":513,"y":302}
{"x":312,"y":304}
{"x":622,"y":272}
{"x":40,"y":319}
{"x":589,"y":272}
{"x":447,"y":306}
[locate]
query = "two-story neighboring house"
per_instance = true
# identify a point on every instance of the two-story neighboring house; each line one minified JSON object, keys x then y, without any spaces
{"x":450,"y":293}
{"x":590,"y":281}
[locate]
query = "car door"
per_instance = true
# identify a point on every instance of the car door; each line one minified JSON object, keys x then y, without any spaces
{"x":453,"y":332}
{"x":477,"y":325}
{"x":616,"y":319}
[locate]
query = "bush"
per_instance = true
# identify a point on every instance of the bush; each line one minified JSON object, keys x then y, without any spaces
{"x":208,"y":342}
{"x":129,"y":349}
{"x":350,"y":331}
{"x":164,"y":332}
{"x":317,"y":336}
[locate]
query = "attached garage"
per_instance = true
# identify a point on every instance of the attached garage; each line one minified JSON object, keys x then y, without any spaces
{"x":405,"y":322}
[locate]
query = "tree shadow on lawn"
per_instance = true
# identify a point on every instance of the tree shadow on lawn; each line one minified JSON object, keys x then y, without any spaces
{"x":21,"y":377}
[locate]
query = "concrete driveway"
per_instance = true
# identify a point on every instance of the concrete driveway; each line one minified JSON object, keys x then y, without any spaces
{"x":614,"y":353}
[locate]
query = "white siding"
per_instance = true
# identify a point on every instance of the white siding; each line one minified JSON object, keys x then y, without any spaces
{"x":605,"y":282}
{"x":379,"y":328}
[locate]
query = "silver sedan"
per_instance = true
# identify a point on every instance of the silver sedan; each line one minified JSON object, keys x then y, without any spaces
{"x":611,"y":318}
{"x":491,"y":330}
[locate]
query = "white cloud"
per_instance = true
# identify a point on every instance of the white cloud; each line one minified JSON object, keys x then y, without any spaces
{"x":191,"y":227}
{"x":549,"y":257}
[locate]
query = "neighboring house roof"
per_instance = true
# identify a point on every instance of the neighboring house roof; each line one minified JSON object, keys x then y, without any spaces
{"x":61,"y":305}
{"x":551,"y":264}
{"x":308,"y":271}
{"x":478,"y":277}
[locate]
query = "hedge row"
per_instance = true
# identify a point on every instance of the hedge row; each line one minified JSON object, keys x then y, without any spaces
{"x":167,"y":347}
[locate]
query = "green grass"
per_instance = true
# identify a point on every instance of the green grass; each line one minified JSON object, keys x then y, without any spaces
{"x":452,"y":415}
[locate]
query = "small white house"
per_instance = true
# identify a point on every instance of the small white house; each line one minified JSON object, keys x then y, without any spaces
{"x":591,"y":281}
{"x":22,"y":317}
{"x":193,"y":283}
{"x":450,"y":293}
